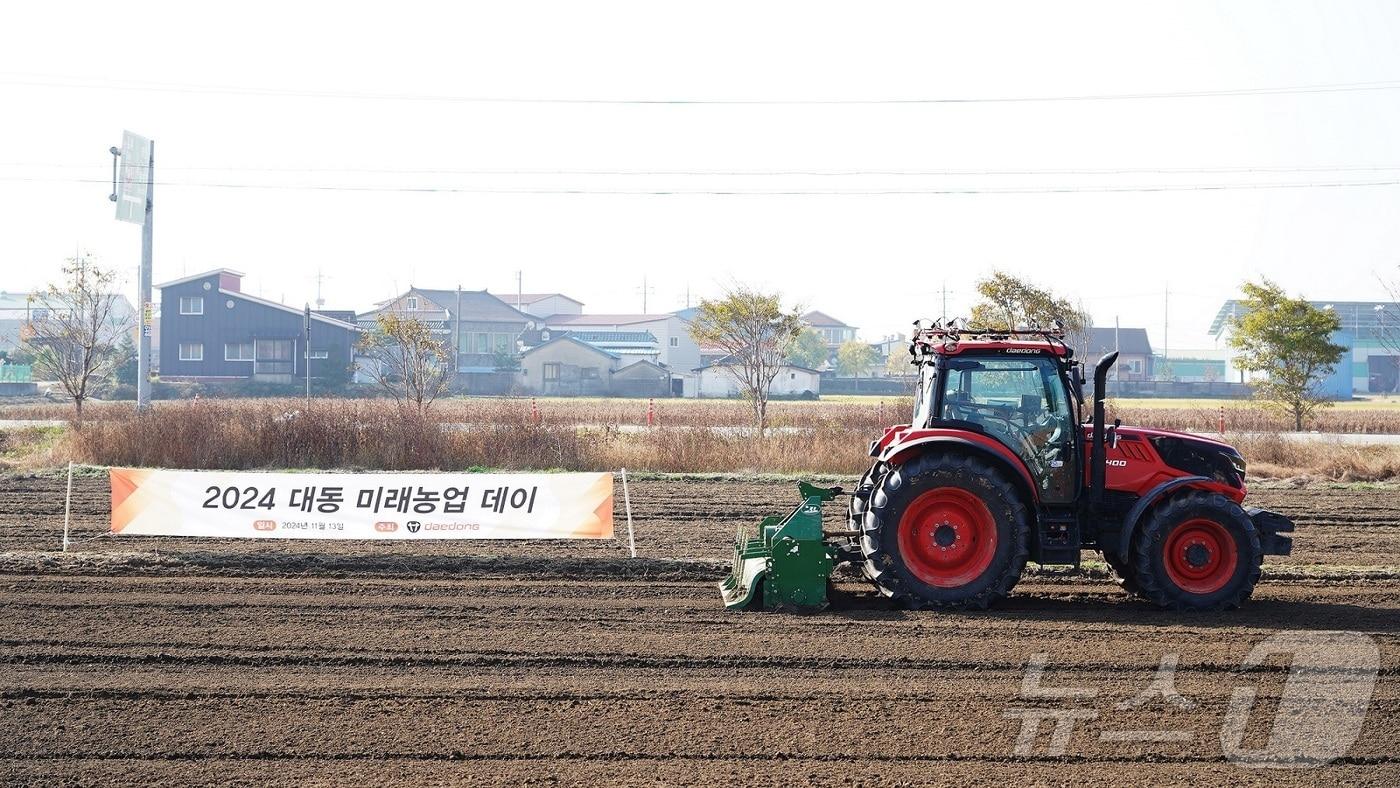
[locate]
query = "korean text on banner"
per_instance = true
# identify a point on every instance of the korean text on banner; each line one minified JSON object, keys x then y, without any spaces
{"x":239,"y":504}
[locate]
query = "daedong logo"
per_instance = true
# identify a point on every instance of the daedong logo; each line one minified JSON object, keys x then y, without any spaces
{"x":413,"y":526}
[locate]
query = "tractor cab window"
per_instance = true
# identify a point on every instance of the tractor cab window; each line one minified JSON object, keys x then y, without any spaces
{"x":1021,"y":402}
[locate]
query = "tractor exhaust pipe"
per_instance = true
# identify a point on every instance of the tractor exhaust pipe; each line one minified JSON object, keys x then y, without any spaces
{"x":1097,"y":459}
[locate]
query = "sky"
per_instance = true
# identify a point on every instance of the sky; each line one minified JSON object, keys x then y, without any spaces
{"x":859,"y":158}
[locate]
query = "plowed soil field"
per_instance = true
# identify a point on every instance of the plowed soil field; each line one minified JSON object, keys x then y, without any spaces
{"x":171,"y":661}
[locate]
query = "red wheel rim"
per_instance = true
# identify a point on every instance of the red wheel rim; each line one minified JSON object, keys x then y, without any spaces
{"x":947,"y":537}
{"x":1200,"y":556}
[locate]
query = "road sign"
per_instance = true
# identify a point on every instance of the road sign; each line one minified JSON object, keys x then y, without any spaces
{"x":133,"y":178}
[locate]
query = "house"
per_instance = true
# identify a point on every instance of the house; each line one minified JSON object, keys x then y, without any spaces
{"x":210,"y":330}
{"x":18,"y":309}
{"x":719,"y":380}
{"x":1134,"y":351}
{"x":565,"y":366}
{"x":678,"y":349}
{"x":832,"y":330}
{"x":544,"y":304}
{"x":631,"y":346}
{"x":1190,"y":370}
{"x":484,"y":330}
{"x":894,"y":346}
{"x":1370,"y":333}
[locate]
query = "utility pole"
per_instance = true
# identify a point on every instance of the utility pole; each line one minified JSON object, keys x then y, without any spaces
{"x":457,"y":330}
{"x":306,"y":329}
{"x":1166,"y":310}
{"x":519,"y":288}
{"x":645,"y":289}
{"x":320,"y":302}
{"x":134,"y":193}
{"x":143,"y":355}
{"x":944,"y":316}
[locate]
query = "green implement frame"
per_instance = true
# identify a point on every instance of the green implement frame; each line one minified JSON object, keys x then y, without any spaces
{"x":786,"y":566}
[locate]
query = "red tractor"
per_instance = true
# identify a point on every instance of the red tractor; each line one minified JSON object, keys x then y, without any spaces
{"x":996,"y":468}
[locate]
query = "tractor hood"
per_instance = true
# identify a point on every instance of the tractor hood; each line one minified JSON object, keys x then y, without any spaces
{"x":1192,"y":454}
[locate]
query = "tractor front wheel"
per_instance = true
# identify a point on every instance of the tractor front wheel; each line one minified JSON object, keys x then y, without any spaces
{"x":1198,"y":551}
{"x":944,"y":530}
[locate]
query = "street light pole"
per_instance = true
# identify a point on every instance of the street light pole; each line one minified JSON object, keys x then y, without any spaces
{"x":143,"y":353}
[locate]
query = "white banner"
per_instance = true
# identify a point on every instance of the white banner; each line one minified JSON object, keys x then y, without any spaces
{"x":250,"y":505}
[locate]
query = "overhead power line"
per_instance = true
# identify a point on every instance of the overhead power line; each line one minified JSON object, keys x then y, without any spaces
{"x":816,"y":173}
{"x":31,"y":80}
{"x":739,"y":192}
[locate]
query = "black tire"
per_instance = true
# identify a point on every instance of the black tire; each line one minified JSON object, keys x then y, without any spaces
{"x":859,"y":505}
{"x":1124,"y":571}
{"x":860,"y":497}
{"x":942,"y":473}
{"x":1159,"y":559}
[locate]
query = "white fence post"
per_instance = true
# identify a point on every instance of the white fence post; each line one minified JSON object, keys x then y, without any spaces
{"x":627,"y":502}
{"x":67,"y":507}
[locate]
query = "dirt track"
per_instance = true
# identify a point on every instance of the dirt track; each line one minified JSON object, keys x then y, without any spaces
{"x":290,"y":663}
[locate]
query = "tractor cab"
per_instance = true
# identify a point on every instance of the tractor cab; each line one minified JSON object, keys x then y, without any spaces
{"x":1022,"y":396}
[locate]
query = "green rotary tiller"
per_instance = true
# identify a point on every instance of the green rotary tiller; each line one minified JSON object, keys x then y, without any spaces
{"x":786,"y":566}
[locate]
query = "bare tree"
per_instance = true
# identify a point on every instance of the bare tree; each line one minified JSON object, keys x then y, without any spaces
{"x":1388,"y":320}
{"x":756,"y":334}
{"x":407,"y":361}
{"x":74,"y":326}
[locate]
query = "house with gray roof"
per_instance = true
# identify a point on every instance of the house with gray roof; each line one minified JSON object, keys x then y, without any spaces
{"x":1134,"y":351}
{"x":630,"y":346}
{"x":483,"y":328}
{"x":212,"y":331}
{"x":563,"y":365}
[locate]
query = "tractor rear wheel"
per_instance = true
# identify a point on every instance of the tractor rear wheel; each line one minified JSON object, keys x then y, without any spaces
{"x":944,"y":530}
{"x":1198,"y":551}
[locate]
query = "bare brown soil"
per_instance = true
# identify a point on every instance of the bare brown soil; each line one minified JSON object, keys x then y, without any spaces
{"x":169,"y":661}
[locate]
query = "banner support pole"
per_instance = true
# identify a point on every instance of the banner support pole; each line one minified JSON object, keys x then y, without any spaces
{"x":67,"y":506}
{"x":627,"y":502}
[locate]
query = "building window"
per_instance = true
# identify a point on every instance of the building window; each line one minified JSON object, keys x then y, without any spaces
{"x":588,"y":373}
{"x":675,"y":341}
{"x":237,"y":351}
{"x":315,"y":354}
{"x":413,"y":303}
{"x":551,"y":372}
{"x":191,"y":351}
{"x":191,"y":305}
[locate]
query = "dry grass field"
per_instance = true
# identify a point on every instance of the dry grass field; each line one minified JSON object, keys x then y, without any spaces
{"x":586,"y":434}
